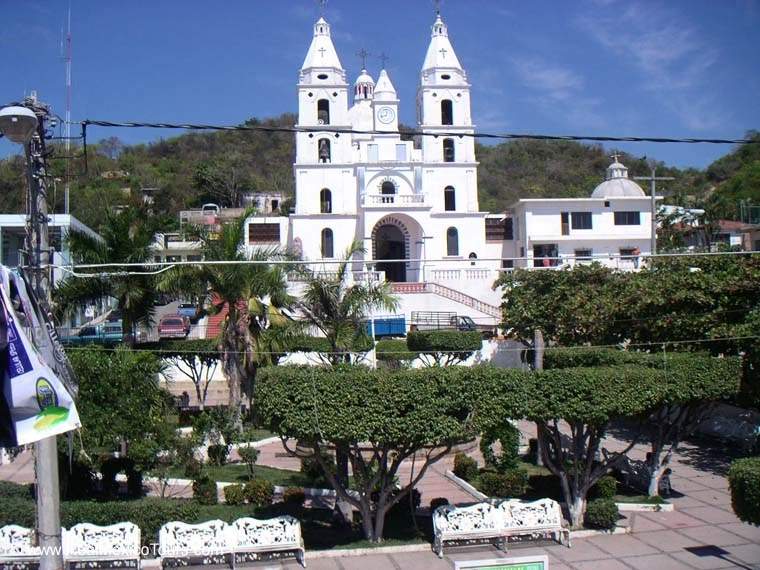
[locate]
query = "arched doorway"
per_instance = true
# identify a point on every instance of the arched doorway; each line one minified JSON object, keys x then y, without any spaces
{"x":390,"y":243}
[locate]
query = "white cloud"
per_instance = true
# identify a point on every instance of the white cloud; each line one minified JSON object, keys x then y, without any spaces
{"x":554,"y":81}
{"x":669,"y":53}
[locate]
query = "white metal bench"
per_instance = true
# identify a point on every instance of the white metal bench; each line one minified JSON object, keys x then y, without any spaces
{"x":252,"y":537}
{"x":16,"y":546}
{"x":534,"y":519}
{"x":92,"y":543}
{"x":496,"y":523}
{"x":206,"y":542}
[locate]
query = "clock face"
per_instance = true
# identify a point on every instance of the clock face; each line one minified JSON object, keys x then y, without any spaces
{"x":386,"y":115}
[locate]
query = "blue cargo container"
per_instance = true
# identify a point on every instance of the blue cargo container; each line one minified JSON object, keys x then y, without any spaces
{"x":387,"y":326}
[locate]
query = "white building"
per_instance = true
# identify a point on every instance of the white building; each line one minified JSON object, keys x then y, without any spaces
{"x":613,"y":226}
{"x":414,"y":205}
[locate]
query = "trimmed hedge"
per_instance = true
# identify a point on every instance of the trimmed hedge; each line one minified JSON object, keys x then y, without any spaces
{"x":258,"y":492}
{"x":394,"y":350}
{"x":148,"y":514}
{"x":204,"y":490}
{"x":15,"y":490}
{"x":362,"y":343}
{"x":590,"y":357}
{"x":465,"y":467}
{"x":444,"y":341}
{"x":509,"y":484}
{"x":604,"y":488}
{"x":508,"y":437}
{"x":744,"y":480}
{"x":601,"y":513}
{"x":234,"y":494}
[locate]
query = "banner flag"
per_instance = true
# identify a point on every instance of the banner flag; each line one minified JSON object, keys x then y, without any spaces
{"x":35,"y":401}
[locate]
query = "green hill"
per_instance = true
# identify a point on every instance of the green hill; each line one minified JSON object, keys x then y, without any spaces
{"x":198,"y":167}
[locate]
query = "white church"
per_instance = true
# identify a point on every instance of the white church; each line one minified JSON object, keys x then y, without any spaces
{"x":414,"y":204}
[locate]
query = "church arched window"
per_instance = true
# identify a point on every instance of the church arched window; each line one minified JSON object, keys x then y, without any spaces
{"x":449,"y":199}
{"x":448,"y":150}
{"x":324,"y":150}
{"x":323,"y":112}
{"x":388,"y":190}
{"x":325,"y":201}
{"x":447,"y":112}
{"x":327,"y":243}
{"x":452,"y":241}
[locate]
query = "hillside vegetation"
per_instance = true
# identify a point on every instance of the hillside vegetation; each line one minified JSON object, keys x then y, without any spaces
{"x":198,"y":167}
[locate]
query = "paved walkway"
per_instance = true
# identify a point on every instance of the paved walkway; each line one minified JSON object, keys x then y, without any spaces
{"x":702,"y":533}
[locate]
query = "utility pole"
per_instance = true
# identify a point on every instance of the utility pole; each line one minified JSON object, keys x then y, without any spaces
{"x":653,"y":178}
{"x":38,"y":266}
{"x":538,"y":364}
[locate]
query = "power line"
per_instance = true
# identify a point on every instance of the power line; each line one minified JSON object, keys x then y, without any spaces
{"x":167,"y":265}
{"x":407,"y":132}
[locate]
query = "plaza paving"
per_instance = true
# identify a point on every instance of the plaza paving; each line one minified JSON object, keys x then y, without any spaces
{"x":702,"y":533}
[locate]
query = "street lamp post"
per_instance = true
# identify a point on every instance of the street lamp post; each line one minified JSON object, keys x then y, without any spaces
{"x":25,"y":124}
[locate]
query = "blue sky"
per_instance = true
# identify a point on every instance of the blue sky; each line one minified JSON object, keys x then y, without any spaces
{"x":611,"y":67}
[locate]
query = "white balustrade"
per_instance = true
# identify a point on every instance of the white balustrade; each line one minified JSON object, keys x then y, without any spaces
{"x":394,"y":200}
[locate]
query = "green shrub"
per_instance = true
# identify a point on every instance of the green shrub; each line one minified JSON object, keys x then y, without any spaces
{"x":259,"y":492}
{"x":249,"y":455}
{"x":445,"y":346}
{"x":744,"y":480}
{"x":204,"y":490}
{"x":465,"y":467}
{"x":14,"y":490}
{"x":509,"y":484}
{"x":604,"y":488}
{"x":313,"y":470}
{"x":149,"y":514}
{"x":218,"y":453}
{"x":394,"y":353}
{"x":601,"y":513}
{"x":17,"y":510}
{"x":294,"y":495}
{"x":234,"y":495}
{"x":438,"y":502}
{"x":361,"y":343}
{"x":509,"y":438}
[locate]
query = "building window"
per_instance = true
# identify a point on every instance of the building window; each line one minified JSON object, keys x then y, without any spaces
{"x":275,"y":205}
{"x":472,"y":257}
{"x":323,"y":112}
{"x":449,"y":199}
{"x":507,"y":264}
{"x":565,"y":218}
{"x":263,"y":233}
{"x":325,"y":201}
{"x":581,"y":220}
{"x":584,"y":255}
{"x":327,"y":243}
{"x":452,"y":241}
{"x":447,"y":112}
{"x":372,"y":153}
{"x":448,"y":150}
{"x":627,"y":218}
{"x":545,"y":255}
{"x":401,"y":152}
{"x":324,"y":150}
{"x":194,"y":257}
{"x":499,"y":230}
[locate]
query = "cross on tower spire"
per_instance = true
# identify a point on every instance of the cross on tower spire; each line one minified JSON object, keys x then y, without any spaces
{"x":437,"y":7}
{"x":322,"y":6}
{"x":615,"y":156}
{"x":363,"y":53}
{"x":383,"y":59}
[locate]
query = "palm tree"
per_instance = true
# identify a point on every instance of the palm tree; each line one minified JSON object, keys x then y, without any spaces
{"x":254,"y":295}
{"x":338,"y":309}
{"x":126,"y":238}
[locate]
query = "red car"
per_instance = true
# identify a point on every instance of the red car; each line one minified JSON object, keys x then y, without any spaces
{"x":172,"y":327}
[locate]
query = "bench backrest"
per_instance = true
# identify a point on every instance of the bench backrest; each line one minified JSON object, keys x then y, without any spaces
{"x":17,"y":541}
{"x":250,"y":533}
{"x":540,"y":514}
{"x":116,"y":541}
{"x":448,"y":519}
{"x":178,"y":539}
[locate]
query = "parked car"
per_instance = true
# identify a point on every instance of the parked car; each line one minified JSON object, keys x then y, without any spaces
{"x":172,"y":326}
{"x":188,"y":310}
{"x":107,"y":333}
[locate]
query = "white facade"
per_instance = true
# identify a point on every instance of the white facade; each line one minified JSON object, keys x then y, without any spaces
{"x":414,"y":205}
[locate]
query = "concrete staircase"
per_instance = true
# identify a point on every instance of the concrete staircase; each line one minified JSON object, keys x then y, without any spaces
{"x":448,"y":293}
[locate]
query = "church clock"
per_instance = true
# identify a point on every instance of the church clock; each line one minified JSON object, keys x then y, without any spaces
{"x":386,"y":115}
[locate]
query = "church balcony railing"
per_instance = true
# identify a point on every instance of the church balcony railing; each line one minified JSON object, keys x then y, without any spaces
{"x":391,"y":200}
{"x":468,"y":274}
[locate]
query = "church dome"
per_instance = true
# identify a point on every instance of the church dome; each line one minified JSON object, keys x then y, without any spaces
{"x":617,"y":184}
{"x":364,"y":86}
